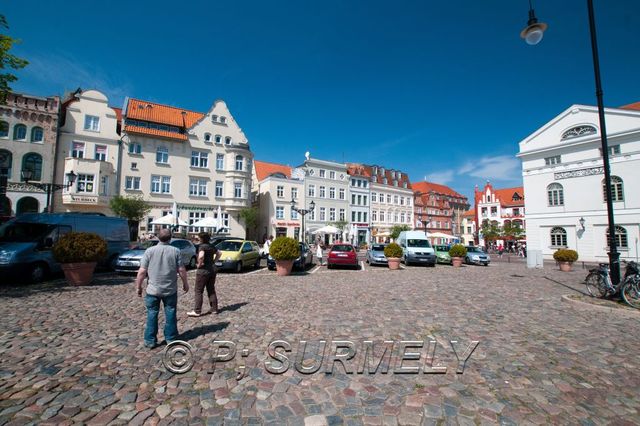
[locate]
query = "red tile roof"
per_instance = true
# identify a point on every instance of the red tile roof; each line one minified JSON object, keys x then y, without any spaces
{"x":118,"y":112}
{"x":264,"y":169}
{"x":426,"y":187}
{"x":505,"y":196}
{"x":471,"y":213}
{"x":163,"y":114}
{"x":155,"y":132}
{"x":364,"y":170}
{"x":635,"y":106}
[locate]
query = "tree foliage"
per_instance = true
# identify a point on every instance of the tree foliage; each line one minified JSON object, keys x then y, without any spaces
{"x":7,"y":61}
{"x":341,"y":224}
{"x":249,"y":215}
{"x":131,"y":208}
{"x":397,"y":229}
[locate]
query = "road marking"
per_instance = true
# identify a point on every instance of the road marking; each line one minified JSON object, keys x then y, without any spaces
{"x":402,"y":266}
{"x":314,"y":269}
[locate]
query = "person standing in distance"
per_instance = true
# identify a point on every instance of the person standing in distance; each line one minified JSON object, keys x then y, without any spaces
{"x":205,"y":275}
{"x":162,"y":264}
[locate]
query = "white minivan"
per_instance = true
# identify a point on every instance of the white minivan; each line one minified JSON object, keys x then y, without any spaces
{"x":416,"y":248}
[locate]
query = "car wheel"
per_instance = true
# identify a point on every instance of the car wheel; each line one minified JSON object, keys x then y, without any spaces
{"x":239,"y":267}
{"x":467,"y":261}
{"x":38,"y":273}
{"x":257,"y":264}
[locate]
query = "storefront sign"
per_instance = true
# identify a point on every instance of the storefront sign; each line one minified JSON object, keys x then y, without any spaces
{"x":579,"y":173}
{"x":287,"y":224}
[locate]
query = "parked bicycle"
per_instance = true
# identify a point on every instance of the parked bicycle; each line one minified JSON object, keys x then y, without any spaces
{"x":599,"y":283}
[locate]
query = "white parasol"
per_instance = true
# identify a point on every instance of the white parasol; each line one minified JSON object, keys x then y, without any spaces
{"x":169,"y":219}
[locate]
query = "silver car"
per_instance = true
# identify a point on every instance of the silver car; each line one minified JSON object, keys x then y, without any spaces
{"x":375,"y":255}
{"x":476,"y":256}
{"x":129,"y":261}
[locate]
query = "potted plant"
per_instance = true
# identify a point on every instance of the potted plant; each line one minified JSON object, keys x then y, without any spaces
{"x":457,"y":253}
{"x":393,"y":253}
{"x":284,"y":251}
{"x":565,"y":258}
{"x":79,"y":252}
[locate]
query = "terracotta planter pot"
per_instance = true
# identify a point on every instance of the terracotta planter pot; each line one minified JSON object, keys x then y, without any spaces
{"x":456,"y":261}
{"x":79,"y":273}
{"x":283,"y":267}
{"x":394,"y":262}
{"x":565,"y":266}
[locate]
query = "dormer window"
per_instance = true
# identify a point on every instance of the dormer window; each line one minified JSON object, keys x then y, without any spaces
{"x":375,"y":170}
{"x":214,"y":118}
{"x":223,"y":120}
{"x":218,"y":139}
{"x":227,"y":140}
{"x":404,"y":184}
{"x":384,"y":181}
{"x":578,"y":131}
{"x":207,"y":137}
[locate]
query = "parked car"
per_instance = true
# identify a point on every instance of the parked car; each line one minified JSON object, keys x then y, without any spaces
{"x":302,"y":262}
{"x":442,"y":254}
{"x":26,"y":241}
{"x":416,"y":248}
{"x":477,"y":256}
{"x":215,"y":240}
{"x":342,"y":254}
{"x":238,"y":254}
{"x":130,"y":261}
{"x":375,"y":255}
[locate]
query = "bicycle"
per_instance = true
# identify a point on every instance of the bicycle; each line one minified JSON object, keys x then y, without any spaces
{"x":599,"y":284}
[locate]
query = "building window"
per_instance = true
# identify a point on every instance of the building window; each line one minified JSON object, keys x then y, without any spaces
{"x":279,"y":212}
{"x":104,"y":185}
{"x":620,"y":236}
{"x":4,"y":129}
{"x":550,"y":161}
{"x":578,"y":131}
{"x":312,"y":190}
{"x":342,"y":215}
{"x":162,"y":155}
{"x":332,"y":193}
{"x":332,"y":174}
{"x":388,"y":198}
{"x":198,"y":187}
{"x":101,"y":153}
{"x":223,"y":119}
{"x":219,"y":188}
{"x":84,"y":183}
{"x":218,"y":139}
{"x":239,"y":162}
{"x":227,"y":140}
{"x":135,"y":148}
{"x":207,"y":137}
{"x":33,"y":162}
{"x":199,"y":159}
{"x":558,"y":237}
{"x":77,"y":150}
{"x":6,"y":160}
{"x":19,"y":132}
{"x":280,"y":191}
{"x":166,"y":184}
{"x":294,"y":193}
{"x":219,"y":161}
{"x":134,"y":166}
{"x":323,"y":214}
{"x":312,"y":215}
{"x":342,"y":194}
{"x":353,"y":199}
{"x":353,"y":216}
{"x":294,"y":214}
{"x":155,"y":184}
{"x":555,"y":194}
{"x":381,"y":215}
{"x":616,"y":189}
{"x":332,"y":214}
{"x":37,"y":134}
{"x":237,"y":190}
{"x":322,"y":192}
{"x":613,"y":150}
{"x":494,"y":211}
{"x":374,"y":215}
{"x":132,"y":183}
{"x":214,"y":118}
{"x":322,"y":173}
{"x":193,"y":218}
{"x":92,"y":123}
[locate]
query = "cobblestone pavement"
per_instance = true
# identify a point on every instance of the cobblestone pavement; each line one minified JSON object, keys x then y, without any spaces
{"x":75,"y":355}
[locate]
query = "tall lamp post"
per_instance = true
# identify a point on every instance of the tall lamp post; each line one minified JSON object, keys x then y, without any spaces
{"x":303,"y":213}
{"x":425,"y":219}
{"x":49,"y":188}
{"x":533,"y":35}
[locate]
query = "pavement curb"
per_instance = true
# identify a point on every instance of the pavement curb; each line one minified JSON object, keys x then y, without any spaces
{"x":585,"y":306}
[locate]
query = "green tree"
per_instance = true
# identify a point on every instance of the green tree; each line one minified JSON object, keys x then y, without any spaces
{"x":134,"y":209}
{"x":397,"y":229}
{"x":8,"y":61}
{"x":490,"y":231}
{"x":511,"y":231}
{"x":249,"y":215}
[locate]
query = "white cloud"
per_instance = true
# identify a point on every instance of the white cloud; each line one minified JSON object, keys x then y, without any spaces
{"x":500,"y":168}
{"x":444,"y":177}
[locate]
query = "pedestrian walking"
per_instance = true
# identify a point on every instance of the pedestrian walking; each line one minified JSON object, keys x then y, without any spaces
{"x":319,"y":253}
{"x":205,"y":275}
{"x":161,"y":264}
{"x":500,"y":250}
{"x":266,"y":247}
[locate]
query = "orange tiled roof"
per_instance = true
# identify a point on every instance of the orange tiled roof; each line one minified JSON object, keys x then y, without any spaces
{"x":505,"y":196}
{"x":264,"y":169}
{"x":635,"y":106}
{"x":118,"y":112}
{"x":358,"y":170}
{"x":163,"y":114}
{"x":471,"y":213}
{"x":155,"y":132}
{"x":367,"y":171}
{"x":427,"y":187}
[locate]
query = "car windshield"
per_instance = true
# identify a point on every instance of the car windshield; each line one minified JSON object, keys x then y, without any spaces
{"x":418,"y":243}
{"x":144,"y":245}
{"x":377,"y":247}
{"x":475,"y":249}
{"x":442,"y":248}
{"x":23,"y":232}
{"x":341,"y":247}
{"x":229,"y":245}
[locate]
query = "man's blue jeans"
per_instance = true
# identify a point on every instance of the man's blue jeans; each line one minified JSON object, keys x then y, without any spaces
{"x":171,"y":320}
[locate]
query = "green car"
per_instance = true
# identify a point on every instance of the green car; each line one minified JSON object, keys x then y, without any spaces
{"x":442,"y":254}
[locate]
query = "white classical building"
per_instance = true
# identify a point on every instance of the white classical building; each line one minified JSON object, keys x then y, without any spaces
{"x":563,"y":178}
{"x":359,"y":204}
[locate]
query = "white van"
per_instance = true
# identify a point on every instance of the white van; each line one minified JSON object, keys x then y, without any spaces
{"x":416,"y":248}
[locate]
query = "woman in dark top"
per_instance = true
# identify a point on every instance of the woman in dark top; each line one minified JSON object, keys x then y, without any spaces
{"x":205,"y":275}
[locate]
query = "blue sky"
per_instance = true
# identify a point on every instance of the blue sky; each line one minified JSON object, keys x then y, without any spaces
{"x":438,"y":89}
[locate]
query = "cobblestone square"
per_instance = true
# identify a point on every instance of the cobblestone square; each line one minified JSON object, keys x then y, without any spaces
{"x":76,"y":355}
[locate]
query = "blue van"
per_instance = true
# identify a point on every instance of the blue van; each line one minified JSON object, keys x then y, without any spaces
{"x":26,"y":241}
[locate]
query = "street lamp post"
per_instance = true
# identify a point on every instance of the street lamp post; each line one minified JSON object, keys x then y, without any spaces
{"x":425,"y":219}
{"x":49,"y":188}
{"x":533,"y":34}
{"x":303,"y":213}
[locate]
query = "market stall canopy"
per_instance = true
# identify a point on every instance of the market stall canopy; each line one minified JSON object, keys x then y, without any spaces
{"x":326,"y":230}
{"x":442,"y":235}
{"x":207,"y":222}
{"x":169,"y":220}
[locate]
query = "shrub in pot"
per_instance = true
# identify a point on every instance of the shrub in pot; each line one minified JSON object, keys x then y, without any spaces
{"x":79,"y":253}
{"x":393,"y":253}
{"x":284,"y":251}
{"x":565,"y":258}
{"x":457,"y":253}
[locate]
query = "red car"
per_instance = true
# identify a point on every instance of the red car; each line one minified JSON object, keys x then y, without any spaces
{"x":342,"y":254}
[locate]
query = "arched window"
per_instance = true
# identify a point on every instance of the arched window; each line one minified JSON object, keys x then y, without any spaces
{"x":33,"y":162}
{"x":558,"y":237}
{"x":207,"y":137}
{"x":26,"y":205}
{"x":37,"y":134}
{"x":555,"y":194}
{"x":620,"y":236}
{"x":616,"y":189}
{"x":19,"y":132}
{"x":578,"y":131}
{"x":6,"y":160}
{"x":218,"y":139}
{"x":227,"y":140}
{"x":4,"y":129}
{"x":239,"y":162}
